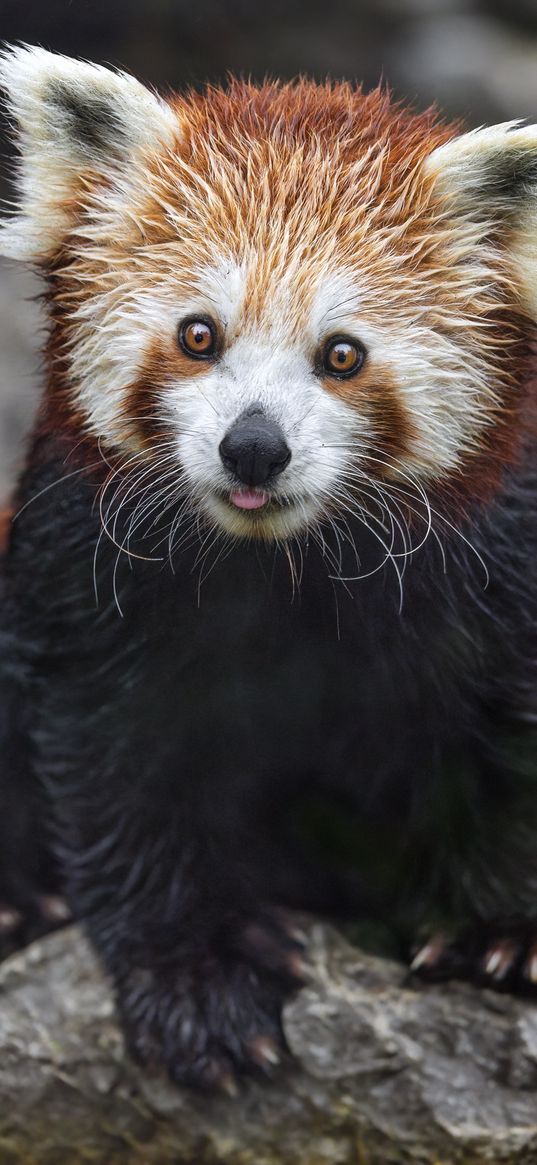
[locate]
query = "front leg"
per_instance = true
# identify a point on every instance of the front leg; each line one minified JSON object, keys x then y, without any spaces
{"x":30,"y":901}
{"x":201,"y":967}
{"x":161,"y":879}
{"x":494,"y":879}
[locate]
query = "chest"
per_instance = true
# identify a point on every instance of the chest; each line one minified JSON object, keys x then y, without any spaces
{"x":250,"y":665}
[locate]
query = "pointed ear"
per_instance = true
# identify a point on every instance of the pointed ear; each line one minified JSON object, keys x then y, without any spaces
{"x":490,"y":175}
{"x":70,"y":118}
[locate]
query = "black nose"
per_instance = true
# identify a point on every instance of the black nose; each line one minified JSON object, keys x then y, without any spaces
{"x":254,"y":448}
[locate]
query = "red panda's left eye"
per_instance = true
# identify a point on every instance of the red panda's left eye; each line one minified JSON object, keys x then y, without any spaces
{"x":197,"y":338}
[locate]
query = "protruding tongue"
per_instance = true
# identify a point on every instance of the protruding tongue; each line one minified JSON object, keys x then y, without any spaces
{"x":248,"y":499}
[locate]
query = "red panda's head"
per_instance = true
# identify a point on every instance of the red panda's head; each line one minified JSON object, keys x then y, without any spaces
{"x":288,"y":297}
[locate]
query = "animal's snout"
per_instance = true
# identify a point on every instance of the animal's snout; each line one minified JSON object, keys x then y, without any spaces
{"x":254,"y":449}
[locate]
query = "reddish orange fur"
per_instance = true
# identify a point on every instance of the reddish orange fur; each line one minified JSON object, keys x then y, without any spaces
{"x":6,"y":518}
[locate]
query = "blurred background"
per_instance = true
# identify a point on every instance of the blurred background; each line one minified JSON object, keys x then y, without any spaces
{"x":474,"y":58}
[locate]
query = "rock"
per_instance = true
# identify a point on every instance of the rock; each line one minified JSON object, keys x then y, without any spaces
{"x":382,"y":1073}
{"x":21,"y":331}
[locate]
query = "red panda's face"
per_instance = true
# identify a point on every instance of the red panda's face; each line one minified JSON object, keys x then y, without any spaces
{"x":279,"y":302}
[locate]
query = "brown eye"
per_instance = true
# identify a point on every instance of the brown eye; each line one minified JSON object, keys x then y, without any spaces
{"x":198,"y":338}
{"x":343,"y":357}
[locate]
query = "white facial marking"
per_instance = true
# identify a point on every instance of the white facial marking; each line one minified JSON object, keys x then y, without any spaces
{"x":114,"y":331}
{"x":318,"y":429}
{"x":441,"y":382}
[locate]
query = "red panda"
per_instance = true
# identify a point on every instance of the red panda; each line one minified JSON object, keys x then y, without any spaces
{"x":275,"y":541}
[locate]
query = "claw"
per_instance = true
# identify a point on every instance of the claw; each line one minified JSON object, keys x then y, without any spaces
{"x":288,"y":923}
{"x":272,"y":948}
{"x":54,"y":908}
{"x":298,"y":967}
{"x":264,"y":1051}
{"x":228,"y":1085}
{"x":10,"y":919}
{"x":429,"y":954}
{"x":296,"y":935}
{"x":499,"y":959}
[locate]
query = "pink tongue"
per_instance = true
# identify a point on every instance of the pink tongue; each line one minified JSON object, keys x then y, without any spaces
{"x":248,"y":499}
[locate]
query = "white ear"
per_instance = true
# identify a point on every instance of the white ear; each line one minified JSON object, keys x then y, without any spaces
{"x":70,"y":118}
{"x":491,"y":175}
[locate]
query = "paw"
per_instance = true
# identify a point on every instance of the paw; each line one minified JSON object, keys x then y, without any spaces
{"x":212,"y":1017}
{"x":500,"y":957}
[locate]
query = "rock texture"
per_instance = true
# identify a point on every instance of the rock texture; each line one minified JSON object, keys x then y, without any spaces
{"x":383,"y":1073}
{"x":21,"y":332}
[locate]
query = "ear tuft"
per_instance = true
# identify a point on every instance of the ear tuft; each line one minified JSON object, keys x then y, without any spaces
{"x":490,"y":175}
{"x":69,"y":117}
{"x":493,"y":165}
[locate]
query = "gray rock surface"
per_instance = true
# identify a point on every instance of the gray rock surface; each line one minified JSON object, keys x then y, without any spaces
{"x":382,"y":1073}
{"x":21,"y":334}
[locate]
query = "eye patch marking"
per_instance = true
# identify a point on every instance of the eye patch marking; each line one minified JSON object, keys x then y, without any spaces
{"x":142,"y":408}
{"x":374,"y":392}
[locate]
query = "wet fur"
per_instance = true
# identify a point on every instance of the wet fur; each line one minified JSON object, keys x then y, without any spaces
{"x":178,"y":702}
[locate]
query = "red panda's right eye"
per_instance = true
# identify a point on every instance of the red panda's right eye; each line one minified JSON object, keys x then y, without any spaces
{"x":343,"y":356}
{"x":197,"y":338}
